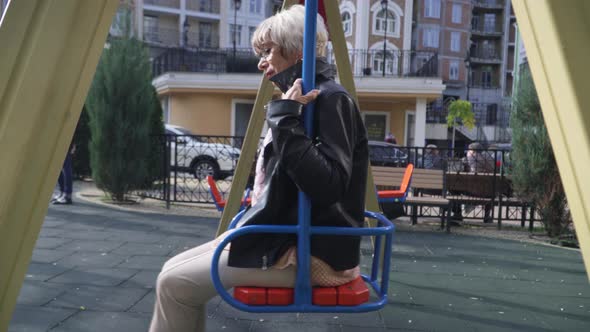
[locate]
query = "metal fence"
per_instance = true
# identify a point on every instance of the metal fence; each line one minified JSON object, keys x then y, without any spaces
{"x":399,"y":63}
{"x":478,"y":181}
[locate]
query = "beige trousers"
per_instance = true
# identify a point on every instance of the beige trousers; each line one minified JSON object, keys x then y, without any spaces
{"x":184,"y":286}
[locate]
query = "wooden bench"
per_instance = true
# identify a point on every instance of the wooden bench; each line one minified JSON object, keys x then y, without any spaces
{"x":432,"y":180}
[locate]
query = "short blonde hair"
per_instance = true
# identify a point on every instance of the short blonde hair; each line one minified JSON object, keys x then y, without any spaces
{"x":285,"y":29}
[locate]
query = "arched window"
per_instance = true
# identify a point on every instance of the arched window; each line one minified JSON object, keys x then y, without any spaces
{"x":390,"y":63}
{"x":385,"y":20}
{"x":347,"y":23}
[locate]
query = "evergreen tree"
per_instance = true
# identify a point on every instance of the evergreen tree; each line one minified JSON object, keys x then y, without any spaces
{"x":535,"y":176}
{"x":120,"y":102}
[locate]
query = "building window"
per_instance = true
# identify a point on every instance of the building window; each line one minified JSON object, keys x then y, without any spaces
{"x":165,"y":109}
{"x":454,"y":70}
{"x":486,"y":79}
{"x":377,"y":124}
{"x":235,"y":33}
{"x":206,"y":6}
{"x":430,"y":38}
{"x":457,"y":13}
{"x":255,"y":6}
{"x":150,"y":29}
{"x":205,"y":34}
{"x":432,"y":8}
{"x":251,"y":33}
{"x":390,"y":62}
{"x":382,"y":24}
{"x":455,"y":41}
{"x":347,"y":23}
{"x":489,"y":23}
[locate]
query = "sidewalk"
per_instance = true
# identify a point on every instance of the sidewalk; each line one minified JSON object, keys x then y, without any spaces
{"x":94,"y":269}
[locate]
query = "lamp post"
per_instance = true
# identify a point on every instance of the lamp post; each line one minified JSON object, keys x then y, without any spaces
{"x":468,"y":69}
{"x":185,"y":27}
{"x":237,"y":5}
{"x":384,"y":7}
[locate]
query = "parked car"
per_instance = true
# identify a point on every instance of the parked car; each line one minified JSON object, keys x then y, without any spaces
{"x":386,"y":154}
{"x":190,"y":153}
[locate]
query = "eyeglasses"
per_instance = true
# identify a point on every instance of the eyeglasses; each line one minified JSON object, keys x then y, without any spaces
{"x":264,"y":54}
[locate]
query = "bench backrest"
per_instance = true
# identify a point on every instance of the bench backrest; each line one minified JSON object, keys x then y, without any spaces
{"x":422,"y":178}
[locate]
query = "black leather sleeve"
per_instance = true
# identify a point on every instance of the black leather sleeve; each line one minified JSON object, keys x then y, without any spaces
{"x":320,"y":167}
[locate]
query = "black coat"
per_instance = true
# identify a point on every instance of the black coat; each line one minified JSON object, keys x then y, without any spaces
{"x":331,"y":169}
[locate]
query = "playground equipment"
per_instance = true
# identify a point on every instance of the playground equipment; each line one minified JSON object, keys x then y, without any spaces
{"x":50,"y":51}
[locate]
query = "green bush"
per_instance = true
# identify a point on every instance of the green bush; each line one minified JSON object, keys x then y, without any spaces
{"x":534,"y":171}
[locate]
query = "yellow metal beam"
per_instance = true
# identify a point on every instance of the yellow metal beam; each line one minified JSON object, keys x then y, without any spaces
{"x":249,"y":147}
{"x":334,"y":23}
{"x":49,"y":54}
{"x":556,"y":35}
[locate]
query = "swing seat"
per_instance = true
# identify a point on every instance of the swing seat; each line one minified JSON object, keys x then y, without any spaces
{"x":351,"y":297}
{"x":352,"y":293}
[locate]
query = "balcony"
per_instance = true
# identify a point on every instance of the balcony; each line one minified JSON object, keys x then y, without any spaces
{"x":216,"y":60}
{"x":170,"y":37}
{"x":487,"y":56}
{"x":163,"y":3}
{"x":486,"y":114}
{"x":488,"y":4}
{"x":204,"y":6}
{"x":398,"y":63}
{"x":205,"y":60}
{"x":486,"y":30}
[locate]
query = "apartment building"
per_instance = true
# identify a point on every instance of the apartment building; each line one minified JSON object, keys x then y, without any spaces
{"x":207,"y":79}
{"x":475,"y":43}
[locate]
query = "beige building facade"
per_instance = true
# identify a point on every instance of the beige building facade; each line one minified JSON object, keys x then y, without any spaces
{"x":392,"y":87}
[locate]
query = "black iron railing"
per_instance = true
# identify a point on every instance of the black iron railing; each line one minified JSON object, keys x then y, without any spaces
{"x":478,"y":181}
{"x":486,"y":114}
{"x":364,"y":62}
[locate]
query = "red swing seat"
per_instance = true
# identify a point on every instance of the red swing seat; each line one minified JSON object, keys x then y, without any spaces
{"x":350,"y":294}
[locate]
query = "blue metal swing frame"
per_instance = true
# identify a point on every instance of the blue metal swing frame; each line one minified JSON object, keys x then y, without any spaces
{"x":304,"y":230}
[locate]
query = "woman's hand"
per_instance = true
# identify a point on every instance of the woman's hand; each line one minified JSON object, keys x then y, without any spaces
{"x":295,"y":93}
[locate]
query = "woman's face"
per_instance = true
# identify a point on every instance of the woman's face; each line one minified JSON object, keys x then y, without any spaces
{"x":273,"y":62}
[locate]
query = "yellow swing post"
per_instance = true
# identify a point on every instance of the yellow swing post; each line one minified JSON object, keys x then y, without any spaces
{"x":556,"y":38}
{"x":50,"y":50}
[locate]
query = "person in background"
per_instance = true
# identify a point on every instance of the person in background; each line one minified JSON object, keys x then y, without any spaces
{"x":432,"y":157}
{"x":389,"y":138}
{"x":65,"y":180}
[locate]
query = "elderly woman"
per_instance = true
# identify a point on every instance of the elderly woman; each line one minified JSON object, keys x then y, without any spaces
{"x":330,"y":167}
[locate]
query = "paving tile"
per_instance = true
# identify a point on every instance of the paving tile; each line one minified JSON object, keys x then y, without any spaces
{"x":43,"y":271}
{"x":156,"y":249}
{"x":43,"y":318}
{"x":49,"y":255}
{"x":51,"y":242}
{"x":317,"y":326}
{"x":146,"y":304}
{"x":39,"y":293}
{"x":95,"y":276}
{"x":145,"y":279}
{"x":144,"y":262}
{"x":99,"y":298}
{"x":91,"y":321}
{"x":95,"y":259}
{"x":92,"y":245}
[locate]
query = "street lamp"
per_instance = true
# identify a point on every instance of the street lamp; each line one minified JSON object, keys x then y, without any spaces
{"x":185,"y":27}
{"x":237,"y":5}
{"x":384,"y":7}
{"x":468,"y":69}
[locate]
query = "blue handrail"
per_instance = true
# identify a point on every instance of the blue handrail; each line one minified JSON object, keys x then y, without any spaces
{"x":302,"y":282}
